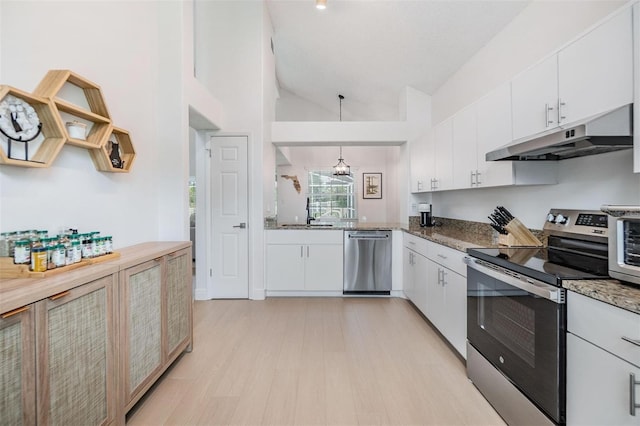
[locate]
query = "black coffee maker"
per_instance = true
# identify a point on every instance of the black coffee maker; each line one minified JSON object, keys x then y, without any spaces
{"x":426,"y":220}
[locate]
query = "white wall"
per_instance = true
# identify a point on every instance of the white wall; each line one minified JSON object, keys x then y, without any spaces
{"x":291,"y":107}
{"x":241,"y":75}
{"x":584,"y":182}
{"x":385,"y":160}
{"x":115,"y":45}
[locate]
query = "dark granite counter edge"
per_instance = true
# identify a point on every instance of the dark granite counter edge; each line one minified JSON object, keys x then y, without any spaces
{"x":612,"y":292}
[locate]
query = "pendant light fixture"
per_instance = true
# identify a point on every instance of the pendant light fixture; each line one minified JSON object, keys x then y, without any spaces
{"x":342,"y":168}
{"x":321,"y":4}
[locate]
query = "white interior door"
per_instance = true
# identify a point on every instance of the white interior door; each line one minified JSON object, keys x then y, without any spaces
{"x":229,"y":262}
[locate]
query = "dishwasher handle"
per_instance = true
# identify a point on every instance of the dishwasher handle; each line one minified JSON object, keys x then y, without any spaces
{"x":369,"y":237}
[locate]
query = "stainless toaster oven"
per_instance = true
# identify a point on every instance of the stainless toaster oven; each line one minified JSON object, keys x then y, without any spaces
{"x":624,"y":242}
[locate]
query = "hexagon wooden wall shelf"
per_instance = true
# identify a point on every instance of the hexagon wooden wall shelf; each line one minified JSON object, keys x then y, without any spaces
{"x":102,"y":160}
{"x":52,"y":130}
{"x":98,"y":113}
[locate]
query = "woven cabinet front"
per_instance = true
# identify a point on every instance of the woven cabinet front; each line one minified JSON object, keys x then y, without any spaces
{"x":78,"y":339}
{"x":11,"y":409}
{"x":145,"y":325}
{"x":178,"y":299}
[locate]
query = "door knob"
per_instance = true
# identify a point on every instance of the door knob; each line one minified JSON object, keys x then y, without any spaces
{"x":241,"y":226}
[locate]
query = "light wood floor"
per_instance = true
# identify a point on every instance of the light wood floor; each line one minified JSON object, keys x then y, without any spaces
{"x":314,"y":361}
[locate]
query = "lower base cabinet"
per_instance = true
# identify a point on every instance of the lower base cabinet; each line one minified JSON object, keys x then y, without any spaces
{"x":304,"y":261}
{"x":17,"y":367}
{"x":599,"y":386}
{"x":76,"y":339}
{"x":447,"y":304}
{"x":65,"y":359}
{"x":434,"y":283}
{"x":603,"y":363}
{"x":155,"y":303}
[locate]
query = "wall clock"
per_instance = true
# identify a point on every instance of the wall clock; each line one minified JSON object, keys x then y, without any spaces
{"x":19,"y":122}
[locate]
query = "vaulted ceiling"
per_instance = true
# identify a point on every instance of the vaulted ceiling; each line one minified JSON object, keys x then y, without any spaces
{"x":369,"y":50}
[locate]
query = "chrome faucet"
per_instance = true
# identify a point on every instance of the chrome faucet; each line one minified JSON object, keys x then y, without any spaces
{"x":309,"y":218}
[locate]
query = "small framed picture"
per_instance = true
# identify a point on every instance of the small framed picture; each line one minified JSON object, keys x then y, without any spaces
{"x":372,"y":185}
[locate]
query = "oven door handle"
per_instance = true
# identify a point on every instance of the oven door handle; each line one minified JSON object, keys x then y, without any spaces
{"x":530,"y":285}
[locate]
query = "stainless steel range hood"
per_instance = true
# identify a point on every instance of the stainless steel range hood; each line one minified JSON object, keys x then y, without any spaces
{"x":610,"y":131}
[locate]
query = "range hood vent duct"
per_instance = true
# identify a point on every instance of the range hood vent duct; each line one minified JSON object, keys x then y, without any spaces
{"x":610,"y":131}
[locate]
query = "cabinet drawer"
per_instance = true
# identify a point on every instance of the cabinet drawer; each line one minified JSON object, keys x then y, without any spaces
{"x":417,"y":244}
{"x":448,"y":257}
{"x":604,"y":325}
{"x":286,"y":236}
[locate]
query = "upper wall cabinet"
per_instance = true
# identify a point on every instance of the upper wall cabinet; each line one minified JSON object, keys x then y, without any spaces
{"x":482,"y":127}
{"x":443,"y":156}
{"x":417,"y":160}
{"x":592,"y":75}
{"x":465,"y":148}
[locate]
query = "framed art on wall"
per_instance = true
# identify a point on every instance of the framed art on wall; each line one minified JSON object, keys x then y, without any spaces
{"x":372,"y":185}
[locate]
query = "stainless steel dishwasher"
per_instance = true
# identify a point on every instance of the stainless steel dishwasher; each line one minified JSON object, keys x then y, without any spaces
{"x":367,"y":262}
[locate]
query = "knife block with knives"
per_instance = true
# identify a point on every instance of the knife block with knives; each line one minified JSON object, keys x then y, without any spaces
{"x":511,"y":231}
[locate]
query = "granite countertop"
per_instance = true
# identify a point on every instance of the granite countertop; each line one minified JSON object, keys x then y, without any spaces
{"x":613,"y":292}
{"x":462,"y":235}
{"x":452,"y":237}
{"x":337,"y":226}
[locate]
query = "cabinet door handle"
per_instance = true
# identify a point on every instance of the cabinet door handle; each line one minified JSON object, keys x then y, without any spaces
{"x":630,"y":340}
{"x":632,"y":394}
{"x":548,"y":108}
{"x":473,"y":175}
{"x":443,"y":280}
{"x":478,"y":178}
{"x":561,"y":116}
{"x":442,"y":256}
{"x":14,"y":312}
{"x":60,"y":295}
{"x":301,"y":251}
{"x":419,"y":185}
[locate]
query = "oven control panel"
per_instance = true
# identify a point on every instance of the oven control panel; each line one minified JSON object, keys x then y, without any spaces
{"x":582,"y":222}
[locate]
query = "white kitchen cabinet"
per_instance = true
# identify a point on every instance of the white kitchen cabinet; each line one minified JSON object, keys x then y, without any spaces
{"x":418,"y":164}
{"x":595,"y":72}
{"x":285,"y":266}
{"x":443,"y":156}
{"x":309,"y":260}
{"x":598,"y":387}
{"x":435,"y":282}
{"x":602,"y":360}
{"x":534,"y":99}
{"x":415,"y":271}
{"x":447,"y":294}
{"x":465,"y":148}
{"x":592,"y":75}
{"x":407,"y":273}
{"x":493,"y":126}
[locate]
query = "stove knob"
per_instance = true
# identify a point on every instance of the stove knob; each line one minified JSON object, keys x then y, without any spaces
{"x":551,"y":218}
{"x":561,"y":220}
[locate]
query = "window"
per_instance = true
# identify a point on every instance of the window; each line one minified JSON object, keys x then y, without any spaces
{"x":331,"y":196}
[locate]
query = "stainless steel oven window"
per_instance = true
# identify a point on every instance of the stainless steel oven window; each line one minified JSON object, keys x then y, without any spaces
{"x":631,"y":242}
{"x":511,"y":323}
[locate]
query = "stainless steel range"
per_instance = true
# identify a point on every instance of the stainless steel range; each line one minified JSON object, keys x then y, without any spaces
{"x":516,"y":315}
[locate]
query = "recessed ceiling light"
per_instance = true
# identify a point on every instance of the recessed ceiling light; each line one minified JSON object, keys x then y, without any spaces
{"x":321,"y":4}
